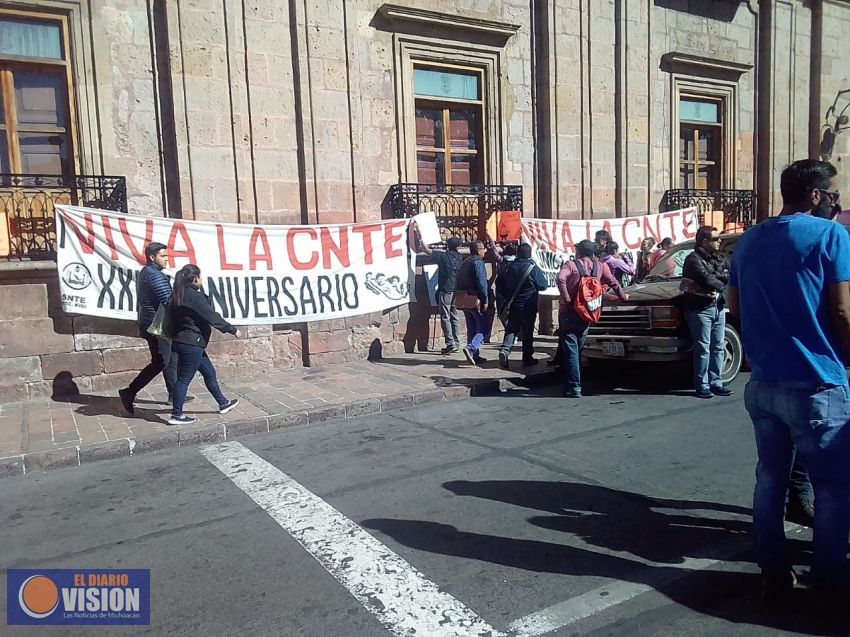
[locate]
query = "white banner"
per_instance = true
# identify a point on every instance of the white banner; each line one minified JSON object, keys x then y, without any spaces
{"x":553,"y":240}
{"x":253,"y":274}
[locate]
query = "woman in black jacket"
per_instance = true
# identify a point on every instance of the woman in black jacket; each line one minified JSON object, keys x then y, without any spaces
{"x":193,"y":319}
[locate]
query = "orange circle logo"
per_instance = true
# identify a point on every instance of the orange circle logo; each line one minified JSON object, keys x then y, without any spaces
{"x":38,"y":596}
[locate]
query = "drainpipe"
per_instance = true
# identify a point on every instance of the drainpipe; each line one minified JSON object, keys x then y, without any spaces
{"x":815,"y":77}
{"x":764,"y":108}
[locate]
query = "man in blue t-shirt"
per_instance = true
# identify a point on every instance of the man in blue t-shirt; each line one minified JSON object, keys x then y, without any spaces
{"x":789,"y":286}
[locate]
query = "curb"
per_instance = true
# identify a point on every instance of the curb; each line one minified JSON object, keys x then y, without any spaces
{"x":80,"y":455}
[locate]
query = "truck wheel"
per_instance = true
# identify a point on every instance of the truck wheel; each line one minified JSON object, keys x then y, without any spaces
{"x":733,"y":355}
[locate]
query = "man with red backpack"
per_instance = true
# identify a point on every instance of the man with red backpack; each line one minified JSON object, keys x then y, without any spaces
{"x":582,"y":283}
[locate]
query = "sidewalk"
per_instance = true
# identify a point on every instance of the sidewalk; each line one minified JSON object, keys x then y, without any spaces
{"x":49,"y":434}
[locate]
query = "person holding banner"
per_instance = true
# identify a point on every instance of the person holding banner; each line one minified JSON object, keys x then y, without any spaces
{"x":621,"y":266}
{"x":660,"y":251}
{"x":153,"y":290}
{"x":193,"y":318}
{"x":448,"y":267}
{"x":644,"y":258}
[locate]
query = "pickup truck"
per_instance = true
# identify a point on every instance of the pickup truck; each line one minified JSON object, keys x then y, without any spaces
{"x":650,"y":326}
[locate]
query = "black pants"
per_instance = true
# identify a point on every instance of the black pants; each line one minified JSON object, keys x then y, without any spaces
{"x":162,"y":360}
{"x":520,"y":323}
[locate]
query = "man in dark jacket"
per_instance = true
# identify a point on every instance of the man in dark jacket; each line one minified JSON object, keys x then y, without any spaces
{"x":448,"y":267}
{"x":153,"y":289}
{"x":706,"y":275}
{"x":473,"y":280}
{"x":521,"y":281}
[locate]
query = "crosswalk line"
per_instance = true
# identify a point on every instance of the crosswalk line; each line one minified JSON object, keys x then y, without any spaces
{"x":395,"y":592}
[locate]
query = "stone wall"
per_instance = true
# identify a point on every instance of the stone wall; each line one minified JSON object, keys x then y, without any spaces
{"x":835,"y":77}
{"x":610,"y":108}
{"x":45,"y":352}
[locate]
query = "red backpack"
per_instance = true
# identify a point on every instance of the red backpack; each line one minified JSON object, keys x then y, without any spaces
{"x":587,"y":302}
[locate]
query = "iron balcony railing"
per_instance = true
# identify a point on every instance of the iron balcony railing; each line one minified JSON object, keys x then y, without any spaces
{"x":738,"y":206}
{"x":462,"y":211}
{"x":27,"y":217}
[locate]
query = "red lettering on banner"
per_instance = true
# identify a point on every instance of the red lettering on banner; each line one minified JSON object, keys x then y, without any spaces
{"x":548,"y":231}
{"x":391,"y":238}
{"x":188,"y":252}
{"x":340,"y":250}
{"x":686,"y":226}
{"x":669,"y":217}
{"x":253,"y":256}
{"x":648,"y":230}
{"x":222,"y":254}
{"x":110,"y":240}
{"x":366,"y":231}
{"x":87,"y":240}
{"x":138,"y":254}
{"x":606,"y":226}
{"x":528,"y":229}
{"x":567,"y":243}
{"x":587,"y":230}
{"x":290,"y":248}
{"x":631,"y":244}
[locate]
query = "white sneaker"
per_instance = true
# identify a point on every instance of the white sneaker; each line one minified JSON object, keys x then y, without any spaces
{"x":229,"y":406}
{"x":181,"y":420}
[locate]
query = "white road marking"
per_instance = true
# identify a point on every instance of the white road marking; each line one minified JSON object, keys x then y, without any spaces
{"x":595,"y":601}
{"x":617,"y":592}
{"x":391,"y":589}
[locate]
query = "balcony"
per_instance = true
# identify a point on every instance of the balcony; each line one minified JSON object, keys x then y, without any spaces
{"x":728,"y":210}
{"x":463,"y":211}
{"x":27,"y":217}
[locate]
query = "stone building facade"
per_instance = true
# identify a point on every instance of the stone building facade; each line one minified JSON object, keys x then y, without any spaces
{"x":285,"y":112}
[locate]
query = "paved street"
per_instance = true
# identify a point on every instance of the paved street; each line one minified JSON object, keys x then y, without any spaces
{"x":622,"y":514}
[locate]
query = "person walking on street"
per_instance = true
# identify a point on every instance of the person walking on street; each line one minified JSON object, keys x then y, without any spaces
{"x":153,"y":290}
{"x":473,"y":281}
{"x":621,"y":266}
{"x":519,"y":286}
{"x":448,"y":268}
{"x":572,"y":327}
{"x":704,"y":304}
{"x":193,"y":318}
{"x":795,"y":320}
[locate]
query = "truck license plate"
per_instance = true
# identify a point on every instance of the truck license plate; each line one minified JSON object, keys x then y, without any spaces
{"x":614,"y":350}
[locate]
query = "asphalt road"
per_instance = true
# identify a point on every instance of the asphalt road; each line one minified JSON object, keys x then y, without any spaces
{"x":620,"y":514}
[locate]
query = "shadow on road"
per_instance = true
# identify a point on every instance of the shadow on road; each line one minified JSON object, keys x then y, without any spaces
{"x":628,"y":523}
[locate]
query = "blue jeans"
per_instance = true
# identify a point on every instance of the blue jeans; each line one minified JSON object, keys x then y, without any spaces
{"x":477,"y":326}
{"x":192,"y":359}
{"x":799,"y":485}
{"x":707,"y":327}
{"x":573,"y":333}
{"x":815,"y":420}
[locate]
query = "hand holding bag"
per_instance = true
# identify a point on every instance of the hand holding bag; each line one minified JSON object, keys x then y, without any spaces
{"x":162,"y":326}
